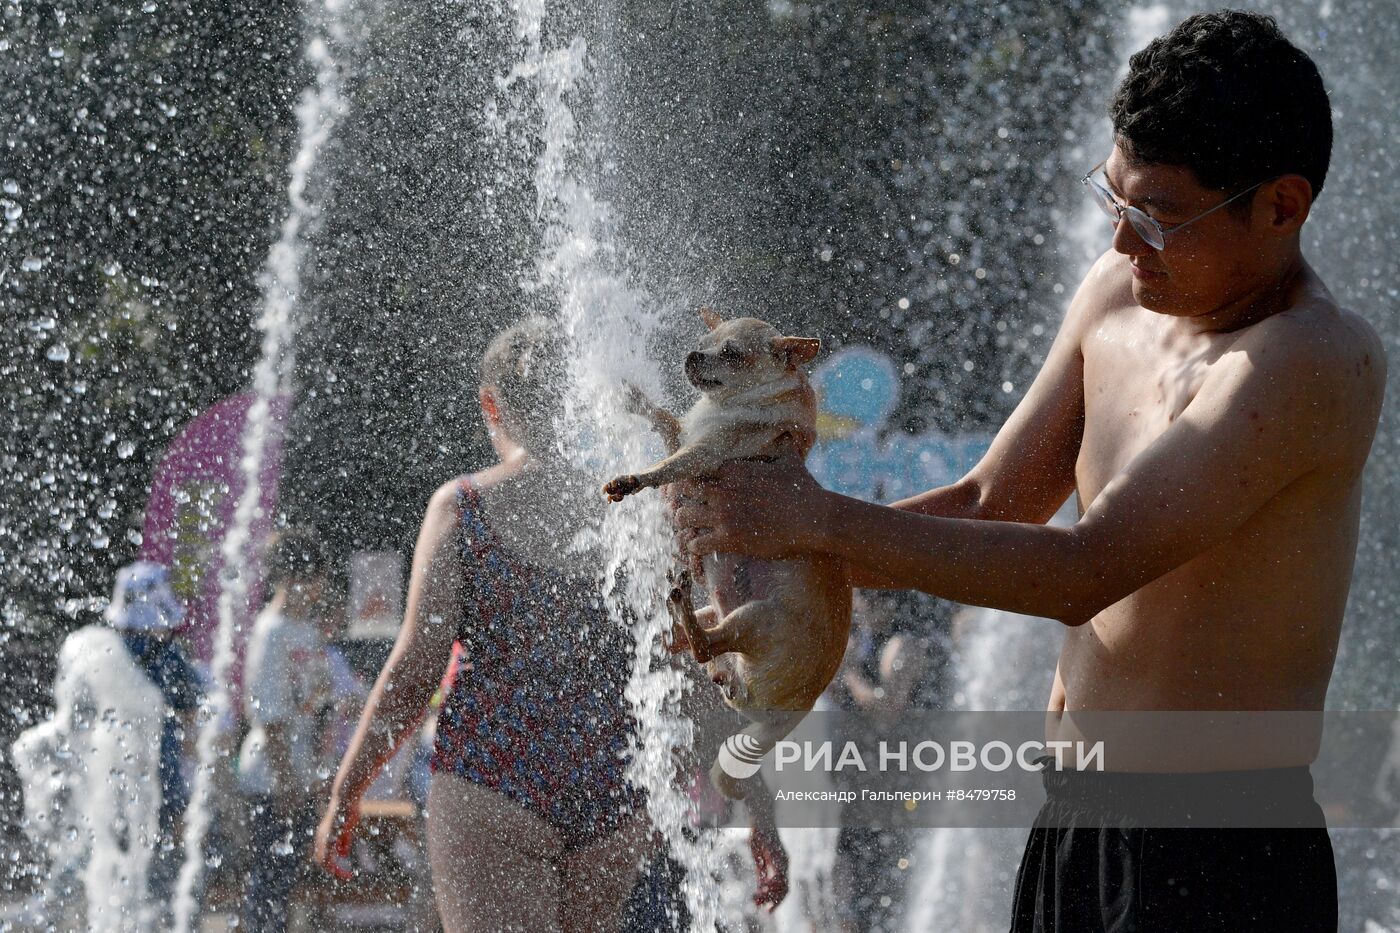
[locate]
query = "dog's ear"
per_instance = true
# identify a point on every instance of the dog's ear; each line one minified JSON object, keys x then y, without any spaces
{"x":711,"y":318}
{"x":796,"y":350}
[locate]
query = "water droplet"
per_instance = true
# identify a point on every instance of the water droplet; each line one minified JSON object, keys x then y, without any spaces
{"x":58,"y":353}
{"x":55,"y":52}
{"x":13,"y":211}
{"x":111,"y":267}
{"x":31,"y":264}
{"x":125,"y":449}
{"x":148,"y":7}
{"x":11,"y":186}
{"x":134,"y":537}
{"x":100,"y":541}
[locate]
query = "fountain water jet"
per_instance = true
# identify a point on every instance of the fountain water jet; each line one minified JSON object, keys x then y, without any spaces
{"x":317,"y":112}
{"x":608,"y":323}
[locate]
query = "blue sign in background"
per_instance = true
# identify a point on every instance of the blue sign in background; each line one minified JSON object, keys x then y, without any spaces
{"x":857,"y":391}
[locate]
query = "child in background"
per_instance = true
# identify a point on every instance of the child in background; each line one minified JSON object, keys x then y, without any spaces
{"x":287,"y":698}
{"x":148,"y":615}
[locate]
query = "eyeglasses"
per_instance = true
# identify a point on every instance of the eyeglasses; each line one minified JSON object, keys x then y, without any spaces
{"x":1152,"y":233}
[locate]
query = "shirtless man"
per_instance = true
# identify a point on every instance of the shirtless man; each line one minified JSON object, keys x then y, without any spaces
{"x":1212,"y":407}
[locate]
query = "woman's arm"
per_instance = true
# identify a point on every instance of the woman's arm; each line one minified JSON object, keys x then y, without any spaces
{"x":410,"y":676}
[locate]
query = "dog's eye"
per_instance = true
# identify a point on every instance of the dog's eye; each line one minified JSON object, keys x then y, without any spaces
{"x":730,"y":353}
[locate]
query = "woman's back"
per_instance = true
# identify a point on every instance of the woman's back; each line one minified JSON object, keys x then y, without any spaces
{"x":537,"y":709}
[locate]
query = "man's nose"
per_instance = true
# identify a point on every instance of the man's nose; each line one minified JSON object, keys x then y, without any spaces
{"x":1128,"y":241}
{"x":693,"y":361}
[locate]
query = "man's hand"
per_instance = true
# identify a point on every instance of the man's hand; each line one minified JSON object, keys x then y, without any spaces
{"x":334,"y":836}
{"x":765,"y":510}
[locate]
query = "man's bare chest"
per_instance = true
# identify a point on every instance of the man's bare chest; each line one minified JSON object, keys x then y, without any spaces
{"x":1140,"y":374}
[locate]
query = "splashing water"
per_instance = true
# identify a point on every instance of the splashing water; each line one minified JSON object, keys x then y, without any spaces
{"x":608,"y":323}
{"x":603,"y":231}
{"x":91,"y":793}
{"x":317,"y":112}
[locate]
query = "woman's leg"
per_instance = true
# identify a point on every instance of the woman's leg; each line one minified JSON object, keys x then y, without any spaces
{"x":494,"y":862}
{"x":597,"y":878}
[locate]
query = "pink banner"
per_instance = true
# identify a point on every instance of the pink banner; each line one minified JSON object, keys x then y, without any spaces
{"x":193,"y":496}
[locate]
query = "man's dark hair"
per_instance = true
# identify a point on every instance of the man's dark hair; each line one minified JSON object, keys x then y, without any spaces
{"x":295,"y":555}
{"x":1228,"y":96}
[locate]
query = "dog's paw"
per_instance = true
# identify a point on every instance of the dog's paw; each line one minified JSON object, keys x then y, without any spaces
{"x":678,"y":643}
{"x":635,"y":400}
{"x":621,"y":487}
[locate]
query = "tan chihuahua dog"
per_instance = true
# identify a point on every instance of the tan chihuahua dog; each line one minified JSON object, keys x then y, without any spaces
{"x":775,"y":631}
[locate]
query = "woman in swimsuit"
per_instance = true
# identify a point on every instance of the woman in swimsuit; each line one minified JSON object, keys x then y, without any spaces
{"x":531,"y":824}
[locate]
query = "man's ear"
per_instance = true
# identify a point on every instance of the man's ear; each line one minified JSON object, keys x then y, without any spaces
{"x":1289,"y":202}
{"x":797,"y":350}
{"x":711,"y":318}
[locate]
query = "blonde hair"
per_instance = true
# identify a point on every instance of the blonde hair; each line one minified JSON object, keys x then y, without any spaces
{"x":524,"y":368}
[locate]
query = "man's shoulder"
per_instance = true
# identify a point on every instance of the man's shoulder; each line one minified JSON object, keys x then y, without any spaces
{"x":1325,"y":364}
{"x":1106,"y":291}
{"x":1330,"y":346}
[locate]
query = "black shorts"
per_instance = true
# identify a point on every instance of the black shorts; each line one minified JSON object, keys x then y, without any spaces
{"x":1095,"y":864}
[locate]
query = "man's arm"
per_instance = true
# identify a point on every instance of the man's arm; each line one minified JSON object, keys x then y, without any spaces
{"x":1028,"y":472}
{"x":1275,"y":407}
{"x":1268,"y":413}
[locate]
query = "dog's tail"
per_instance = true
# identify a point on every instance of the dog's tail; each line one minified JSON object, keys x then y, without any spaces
{"x":735,"y":769}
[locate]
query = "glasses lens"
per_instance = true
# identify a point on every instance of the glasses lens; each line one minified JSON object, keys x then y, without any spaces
{"x":1145,"y":227}
{"x":1104,"y":199}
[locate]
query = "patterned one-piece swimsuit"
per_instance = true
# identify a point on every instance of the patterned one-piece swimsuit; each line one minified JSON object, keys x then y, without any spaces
{"x":536,"y":710}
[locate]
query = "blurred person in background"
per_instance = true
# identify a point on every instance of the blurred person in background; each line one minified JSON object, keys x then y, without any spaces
{"x":888,"y":670}
{"x":531,"y":824}
{"x":287,"y":700}
{"x":149,"y":616}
